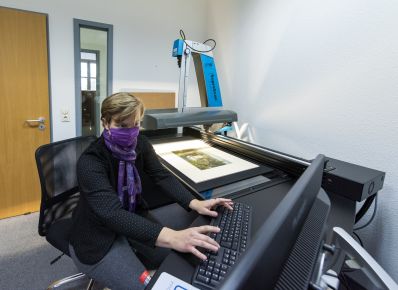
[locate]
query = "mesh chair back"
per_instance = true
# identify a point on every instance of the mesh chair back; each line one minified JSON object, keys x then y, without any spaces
{"x":56,"y":164}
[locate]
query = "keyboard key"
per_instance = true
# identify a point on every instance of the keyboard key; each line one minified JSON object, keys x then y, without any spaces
{"x":203,"y":279}
{"x":226,"y":244}
{"x":214,"y":283}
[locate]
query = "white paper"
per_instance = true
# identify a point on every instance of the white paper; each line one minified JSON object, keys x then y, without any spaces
{"x":169,"y":282}
{"x":199,"y":161}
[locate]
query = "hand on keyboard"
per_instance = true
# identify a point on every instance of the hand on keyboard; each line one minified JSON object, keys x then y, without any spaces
{"x":234,"y":236}
{"x":204,"y":207}
{"x":187,"y":240}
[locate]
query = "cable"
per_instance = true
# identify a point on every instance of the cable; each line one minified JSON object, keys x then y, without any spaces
{"x":344,"y":281}
{"x":359,"y":239}
{"x":371,"y":218}
{"x":185,"y":90}
{"x":364,"y":208}
{"x":331,"y":275}
{"x":330,"y":286}
{"x":182,"y":34}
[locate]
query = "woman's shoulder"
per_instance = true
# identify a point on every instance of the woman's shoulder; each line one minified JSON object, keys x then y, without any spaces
{"x":96,"y":150}
{"x":96,"y":145}
{"x":142,"y":140}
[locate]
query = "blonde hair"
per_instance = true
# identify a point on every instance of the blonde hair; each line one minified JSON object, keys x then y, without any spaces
{"x":121,"y":106}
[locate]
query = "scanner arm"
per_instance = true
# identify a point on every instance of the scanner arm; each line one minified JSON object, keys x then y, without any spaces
{"x":209,"y":91}
{"x":206,"y":74}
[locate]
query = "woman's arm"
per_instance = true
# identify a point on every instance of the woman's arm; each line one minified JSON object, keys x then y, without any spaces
{"x":102,"y":199}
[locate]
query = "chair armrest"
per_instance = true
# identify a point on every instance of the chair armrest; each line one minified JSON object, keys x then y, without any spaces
{"x":347,"y":245}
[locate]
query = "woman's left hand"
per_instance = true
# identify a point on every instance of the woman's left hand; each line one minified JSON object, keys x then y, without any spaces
{"x":204,"y":207}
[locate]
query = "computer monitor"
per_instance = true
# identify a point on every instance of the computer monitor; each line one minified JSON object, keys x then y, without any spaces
{"x":270,"y":251}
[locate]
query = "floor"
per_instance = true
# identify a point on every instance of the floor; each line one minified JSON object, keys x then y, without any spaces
{"x":25,"y":257}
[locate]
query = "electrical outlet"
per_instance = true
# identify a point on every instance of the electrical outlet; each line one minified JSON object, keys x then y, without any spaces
{"x":65,"y":115}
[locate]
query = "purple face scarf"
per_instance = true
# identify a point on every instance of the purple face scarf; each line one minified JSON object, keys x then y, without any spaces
{"x":122,"y":142}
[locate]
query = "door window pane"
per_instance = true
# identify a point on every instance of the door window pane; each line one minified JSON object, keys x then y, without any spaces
{"x":93,"y":84}
{"x":84,"y":84}
{"x":93,"y":70}
{"x":84,"y":69}
{"x":88,"y":56}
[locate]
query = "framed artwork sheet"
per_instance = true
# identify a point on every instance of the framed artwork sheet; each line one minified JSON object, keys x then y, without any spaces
{"x":199,"y":161}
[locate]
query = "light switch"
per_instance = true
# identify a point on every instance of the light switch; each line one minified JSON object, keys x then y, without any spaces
{"x":65,"y":115}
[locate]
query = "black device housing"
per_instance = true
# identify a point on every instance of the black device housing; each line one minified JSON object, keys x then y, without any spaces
{"x":352,"y":181}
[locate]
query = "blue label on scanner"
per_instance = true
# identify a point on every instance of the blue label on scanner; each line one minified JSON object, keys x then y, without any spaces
{"x":211,"y":81}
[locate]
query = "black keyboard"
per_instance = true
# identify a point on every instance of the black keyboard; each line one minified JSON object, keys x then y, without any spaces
{"x":233,"y":238}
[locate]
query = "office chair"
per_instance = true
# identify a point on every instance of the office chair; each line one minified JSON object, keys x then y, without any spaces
{"x":56,"y":165}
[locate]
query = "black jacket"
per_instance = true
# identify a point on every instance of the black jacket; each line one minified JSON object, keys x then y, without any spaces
{"x":99,"y":216}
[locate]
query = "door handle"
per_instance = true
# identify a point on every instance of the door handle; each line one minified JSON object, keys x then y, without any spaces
{"x":37,"y":123}
{"x":40,"y":120}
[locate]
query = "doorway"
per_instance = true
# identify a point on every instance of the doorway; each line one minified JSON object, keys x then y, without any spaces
{"x":93,"y":73}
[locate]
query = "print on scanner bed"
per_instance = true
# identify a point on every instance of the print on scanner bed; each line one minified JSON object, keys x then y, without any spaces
{"x":200,"y":159}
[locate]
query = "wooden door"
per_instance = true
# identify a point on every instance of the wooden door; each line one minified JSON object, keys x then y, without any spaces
{"x":24,"y":95}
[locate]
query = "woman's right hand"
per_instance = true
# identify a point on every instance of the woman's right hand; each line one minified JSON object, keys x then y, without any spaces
{"x":187,"y":240}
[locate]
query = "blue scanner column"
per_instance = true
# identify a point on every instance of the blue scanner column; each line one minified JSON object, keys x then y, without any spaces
{"x":211,"y":81}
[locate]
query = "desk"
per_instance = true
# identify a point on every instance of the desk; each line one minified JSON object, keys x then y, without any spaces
{"x":344,"y":183}
{"x":263,"y":202}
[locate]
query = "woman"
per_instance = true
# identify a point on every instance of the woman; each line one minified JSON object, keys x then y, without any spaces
{"x":111,"y":224}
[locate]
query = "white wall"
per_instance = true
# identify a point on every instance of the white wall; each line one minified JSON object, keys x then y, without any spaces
{"x":318,"y":77}
{"x":143,"y":33}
